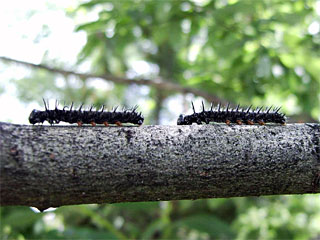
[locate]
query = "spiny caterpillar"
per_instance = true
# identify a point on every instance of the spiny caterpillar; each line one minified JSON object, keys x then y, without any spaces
{"x":237,"y":115}
{"x":85,"y":117}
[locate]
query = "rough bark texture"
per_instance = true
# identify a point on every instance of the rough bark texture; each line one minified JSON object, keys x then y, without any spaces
{"x":50,"y":166}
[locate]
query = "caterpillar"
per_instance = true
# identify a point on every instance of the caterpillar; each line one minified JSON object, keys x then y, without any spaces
{"x":237,"y":115}
{"x":81,"y":117}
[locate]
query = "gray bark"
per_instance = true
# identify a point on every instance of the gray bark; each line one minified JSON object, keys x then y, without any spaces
{"x":50,"y":166}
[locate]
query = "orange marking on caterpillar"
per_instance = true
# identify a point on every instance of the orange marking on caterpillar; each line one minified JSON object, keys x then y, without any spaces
{"x":250,"y":122}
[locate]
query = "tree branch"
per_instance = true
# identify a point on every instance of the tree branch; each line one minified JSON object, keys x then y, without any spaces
{"x":158,"y":84}
{"x":50,"y":166}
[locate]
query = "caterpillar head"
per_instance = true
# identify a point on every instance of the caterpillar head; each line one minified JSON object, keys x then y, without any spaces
{"x":36,"y":117}
{"x":280,"y":118}
{"x":139,"y":119}
{"x":183,"y":121}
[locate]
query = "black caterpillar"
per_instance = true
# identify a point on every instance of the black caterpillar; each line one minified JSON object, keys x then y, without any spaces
{"x":237,"y":115}
{"x":85,"y":117}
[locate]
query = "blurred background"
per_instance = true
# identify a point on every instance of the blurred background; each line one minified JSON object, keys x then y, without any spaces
{"x":260,"y":52}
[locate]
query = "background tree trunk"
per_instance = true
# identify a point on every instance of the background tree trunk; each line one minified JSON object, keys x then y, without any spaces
{"x":50,"y":166}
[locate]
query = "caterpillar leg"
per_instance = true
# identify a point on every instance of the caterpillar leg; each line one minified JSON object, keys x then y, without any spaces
{"x":79,"y":123}
{"x":228,"y":122}
{"x":261,"y":122}
{"x":250,"y":122}
{"x":93,"y":124}
{"x":106,"y":124}
{"x":239,"y":122}
{"x":118,"y":123}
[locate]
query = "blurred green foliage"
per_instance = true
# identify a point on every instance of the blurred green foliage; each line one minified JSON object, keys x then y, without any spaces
{"x":244,"y":51}
{"x":283,"y":217}
{"x":1,"y":89}
{"x":252,"y":51}
{"x":260,"y":52}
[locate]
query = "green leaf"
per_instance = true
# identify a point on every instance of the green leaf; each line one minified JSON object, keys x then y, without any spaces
{"x":93,"y":26}
{"x":87,"y":233}
{"x":152,"y":228}
{"x":20,"y":218}
{"x":215,"y":227}
{"x":93,"y":3}
{"x":137,"y":206}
